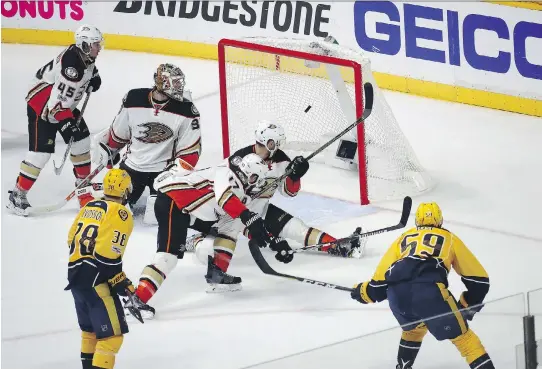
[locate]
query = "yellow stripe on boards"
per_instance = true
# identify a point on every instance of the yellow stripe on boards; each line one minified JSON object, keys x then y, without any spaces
{"x":386,"y":81}
{"x":533,"y":5}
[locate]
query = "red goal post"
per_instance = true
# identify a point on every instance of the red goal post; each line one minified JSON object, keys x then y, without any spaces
{"x":276,"y":54}
{"x":314,"y":89}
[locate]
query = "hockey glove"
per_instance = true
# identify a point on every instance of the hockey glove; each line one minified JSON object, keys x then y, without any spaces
{"x":111,"y":155}
{"x":468,"y":311}
{"x":299,"y":166}
{"x":68,"y":128}
{"x":281,"y":247}
{"x":256,"y":227}
{"x":358,"y":295}
{"x":121,"y":285}
{"x":95,"y":83}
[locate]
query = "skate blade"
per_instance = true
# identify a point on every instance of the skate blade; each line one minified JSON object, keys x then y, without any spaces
{"x":221,"y":288}
{"x":17,"y":211}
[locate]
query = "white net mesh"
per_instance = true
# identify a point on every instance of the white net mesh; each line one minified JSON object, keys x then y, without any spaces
{"x":261,"y":85}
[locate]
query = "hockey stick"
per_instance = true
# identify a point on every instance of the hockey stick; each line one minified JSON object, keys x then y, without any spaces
{"x":266,"y":268}
{"x":369,"y":97}
{"x":64,"y":201}
{"x":58,"y":169}
{"x":407,"y":205}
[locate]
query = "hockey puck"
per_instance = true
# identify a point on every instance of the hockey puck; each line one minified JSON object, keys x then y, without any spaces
{"x":308,"y":108}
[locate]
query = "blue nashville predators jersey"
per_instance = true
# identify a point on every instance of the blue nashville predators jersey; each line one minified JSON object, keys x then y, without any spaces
{"x":427,"y":254}
{"x":96,"y":241}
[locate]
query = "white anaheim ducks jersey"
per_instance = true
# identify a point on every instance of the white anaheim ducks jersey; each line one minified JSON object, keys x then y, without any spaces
{"x":156,"y":134}
{"x":218,"y":192}
{"x":60,"y":84}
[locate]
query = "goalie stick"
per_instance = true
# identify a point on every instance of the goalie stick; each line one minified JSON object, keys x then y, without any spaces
{"x":267,"y":269}
{"x":405,"y":213}
{"x":53,"y":207}
{"x":369,"y":97}
{"x":58,"y":169}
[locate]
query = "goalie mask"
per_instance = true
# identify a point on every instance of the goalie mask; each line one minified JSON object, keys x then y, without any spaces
{"x":254,"y":169}
{"x":169,"y":80}
{"x":271,"y":136}
{"x":89,"y":40}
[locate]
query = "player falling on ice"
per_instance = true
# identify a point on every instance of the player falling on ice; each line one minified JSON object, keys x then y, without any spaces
{"x":97,"y":240}
{"x":158,"y":125}
{"x":413,"y":277}
{"x":269,"y":139}
{"x":51,"y":107}
{"x":197,"y":199}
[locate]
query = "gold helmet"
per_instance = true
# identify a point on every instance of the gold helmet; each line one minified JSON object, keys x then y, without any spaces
{"x":428,"y":215}
{"x":117,"y":183}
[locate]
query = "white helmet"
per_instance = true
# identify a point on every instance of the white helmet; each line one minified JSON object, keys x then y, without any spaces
{"x":271,"y":136}
{"x":169,"y":80}
{"x":255,"y":170}
{"x":87,"y":35}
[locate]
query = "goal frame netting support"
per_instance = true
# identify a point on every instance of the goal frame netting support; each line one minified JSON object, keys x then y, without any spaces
{"x":278,"y":52}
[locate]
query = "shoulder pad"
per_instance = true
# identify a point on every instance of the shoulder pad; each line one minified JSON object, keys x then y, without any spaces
{"x":72,"y":66}
{"x":137,"y":98}
{"x":280,"y":156}
{"x":185,"y":108}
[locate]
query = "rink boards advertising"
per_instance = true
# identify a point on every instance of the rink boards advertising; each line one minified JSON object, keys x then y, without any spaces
{"x":477,"y":53}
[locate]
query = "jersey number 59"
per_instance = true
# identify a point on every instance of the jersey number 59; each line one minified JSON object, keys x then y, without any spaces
{"x":423,"y":245}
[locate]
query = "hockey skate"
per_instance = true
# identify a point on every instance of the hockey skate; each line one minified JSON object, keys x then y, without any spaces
{"x":17,"y":202}
{"x":351,"y":248}
{"x":147,"y":312}
{"x":220,"y":281}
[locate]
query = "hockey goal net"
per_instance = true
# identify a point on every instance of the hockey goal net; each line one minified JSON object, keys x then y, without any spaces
{"x":315,"y":90}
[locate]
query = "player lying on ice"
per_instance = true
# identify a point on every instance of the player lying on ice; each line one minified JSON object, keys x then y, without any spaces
{"x":221,"y":196}
{"x":413,"y":277}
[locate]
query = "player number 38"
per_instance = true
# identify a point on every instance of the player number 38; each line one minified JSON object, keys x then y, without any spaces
{"x":84,"y":239}
{"x":423,"y":245}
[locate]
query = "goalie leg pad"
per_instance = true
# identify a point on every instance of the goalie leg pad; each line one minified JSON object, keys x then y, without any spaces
{"x":106,"y":349}
{"x":155,"y":274}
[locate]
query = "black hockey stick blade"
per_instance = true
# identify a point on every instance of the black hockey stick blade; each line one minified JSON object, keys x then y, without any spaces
{"x":266,"y":268}
{"x":405,"y":214}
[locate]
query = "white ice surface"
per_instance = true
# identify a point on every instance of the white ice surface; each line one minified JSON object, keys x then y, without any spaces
{"x":488,"y":167}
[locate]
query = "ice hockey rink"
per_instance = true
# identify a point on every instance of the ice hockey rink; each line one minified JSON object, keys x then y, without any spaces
{"x":487,"y":165}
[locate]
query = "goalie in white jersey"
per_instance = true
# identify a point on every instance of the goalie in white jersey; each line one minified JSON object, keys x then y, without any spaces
{"x":157,"y":125}
{"x":51,"y":107}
